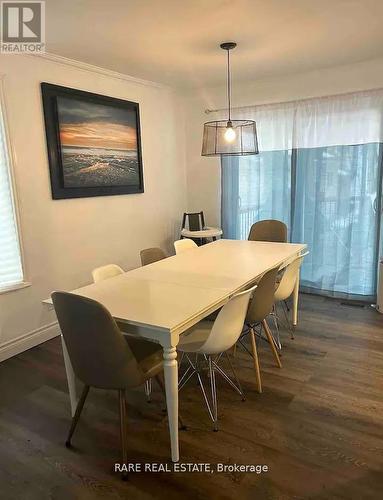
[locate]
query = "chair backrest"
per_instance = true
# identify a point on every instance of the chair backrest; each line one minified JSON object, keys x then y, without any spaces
{"x":99,"y":354}
{"x":150,"y":255}
{"x":289,"y":278}
{"x":228,"y":325}
{"x":263,"y":297}
{"x":184,"y":245}
{"x":196,"y":221}
{"x":105,"y":272}
{"x":268,"y":230}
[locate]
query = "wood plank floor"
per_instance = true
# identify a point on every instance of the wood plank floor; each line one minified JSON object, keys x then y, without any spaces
{"x":318,"y":424}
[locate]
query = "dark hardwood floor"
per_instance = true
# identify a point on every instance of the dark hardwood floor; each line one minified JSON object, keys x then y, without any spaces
{"x":318,"y":424}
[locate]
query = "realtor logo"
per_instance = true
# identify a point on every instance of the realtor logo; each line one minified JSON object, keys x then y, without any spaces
{"x":22,"y":27}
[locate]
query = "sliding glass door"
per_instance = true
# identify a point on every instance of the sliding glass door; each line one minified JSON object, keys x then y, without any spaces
{"x":329,"y":197}
{"x":255,"y":188}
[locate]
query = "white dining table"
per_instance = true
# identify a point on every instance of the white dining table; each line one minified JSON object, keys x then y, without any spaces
{"x":162,"y":300}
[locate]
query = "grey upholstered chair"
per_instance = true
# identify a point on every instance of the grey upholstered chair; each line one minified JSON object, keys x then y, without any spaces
{"x":268,"y":230}
{"x":150,"y":255}
{"x":110,"y":271}
{"x":101,"y":356}
{"x":260,"y":307}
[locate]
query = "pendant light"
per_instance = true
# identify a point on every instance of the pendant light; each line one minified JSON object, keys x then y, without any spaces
{"x":229,"y":137}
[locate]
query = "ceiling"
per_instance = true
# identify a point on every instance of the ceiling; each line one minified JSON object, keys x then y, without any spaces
{"x":176,"y":41}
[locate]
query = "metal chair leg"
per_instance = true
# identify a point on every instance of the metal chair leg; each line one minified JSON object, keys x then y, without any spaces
{"x":148,"y":390}
{"x":123,"y":429}
{"x":287,"y":320}
{"x":237,"y":387}
{"x":186,"y":377}
{"x":275,"y":318}
{"x":196,"y":371}
{"x":77,"y":414}
{"x":272,"y":343}
{"x":180,"y":358}
{"x":287,"y":305}
{"x":213,"y":394}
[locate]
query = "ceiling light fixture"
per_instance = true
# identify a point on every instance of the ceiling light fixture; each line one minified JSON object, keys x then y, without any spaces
{"x":229,"y":137}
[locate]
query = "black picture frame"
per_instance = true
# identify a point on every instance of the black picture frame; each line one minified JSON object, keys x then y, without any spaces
{"x":50,"y":95}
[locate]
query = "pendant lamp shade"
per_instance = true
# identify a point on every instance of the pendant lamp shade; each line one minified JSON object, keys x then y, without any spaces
{"x":216,"y":139}
{"x":229,"y":137}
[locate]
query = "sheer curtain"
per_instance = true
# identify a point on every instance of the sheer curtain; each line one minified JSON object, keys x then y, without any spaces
{"x":320,"y":171}
{"x":255,"y":188}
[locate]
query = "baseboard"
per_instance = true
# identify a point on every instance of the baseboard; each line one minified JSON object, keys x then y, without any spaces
{"x":29,"y":340}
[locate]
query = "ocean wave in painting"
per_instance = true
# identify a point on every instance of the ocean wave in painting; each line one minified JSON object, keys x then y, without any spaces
{"x":92,"y":167}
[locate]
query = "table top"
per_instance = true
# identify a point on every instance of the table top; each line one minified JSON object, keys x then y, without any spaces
{"x":174,"y":293}
{"x":208,"y":232}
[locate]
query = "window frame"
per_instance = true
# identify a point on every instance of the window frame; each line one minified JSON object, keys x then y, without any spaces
{"x":11,"y":161}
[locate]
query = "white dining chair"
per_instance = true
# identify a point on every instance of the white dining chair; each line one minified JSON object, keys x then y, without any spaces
{"x":208,"y":341}
{"x":284,"y":290}
{"x":184,"y":245}
{"x":261,"y":305}
{"x":105,"y":272}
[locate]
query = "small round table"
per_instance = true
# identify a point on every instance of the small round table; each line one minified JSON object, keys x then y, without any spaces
{"x":208,"y":232}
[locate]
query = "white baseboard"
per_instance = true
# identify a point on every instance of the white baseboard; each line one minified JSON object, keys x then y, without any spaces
{"x":29,"y":340}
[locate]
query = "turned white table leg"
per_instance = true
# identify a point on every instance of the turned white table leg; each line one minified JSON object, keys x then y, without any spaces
{"x":70,"y":378}
{"x":171,"y":386}
{"x":295,"y":301}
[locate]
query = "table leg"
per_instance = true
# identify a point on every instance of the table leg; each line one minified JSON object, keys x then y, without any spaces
{"x":171,"y":386}
{"x":70,"y":378}
{"x":295,"y":301}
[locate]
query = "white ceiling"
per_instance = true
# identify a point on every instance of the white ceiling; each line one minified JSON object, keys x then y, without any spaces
{"x":176,"y":41}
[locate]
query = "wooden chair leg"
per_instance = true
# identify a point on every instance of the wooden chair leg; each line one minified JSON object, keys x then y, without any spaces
{"x":123,"y":428}
{"x":77,"y":414}
{"x":271,"y":342}
{"x":256,"y":360}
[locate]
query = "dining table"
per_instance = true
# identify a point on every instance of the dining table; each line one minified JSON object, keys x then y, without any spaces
{"x":162,"y":300}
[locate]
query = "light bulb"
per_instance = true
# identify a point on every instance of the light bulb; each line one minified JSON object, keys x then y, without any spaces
{"x":230,"y":134}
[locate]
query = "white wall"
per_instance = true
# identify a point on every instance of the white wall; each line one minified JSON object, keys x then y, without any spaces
{"x":203,"y":174}
{"x":63,"y":240}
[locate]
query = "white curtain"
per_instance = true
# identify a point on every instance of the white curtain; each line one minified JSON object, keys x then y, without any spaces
{"x":320,"y":171}
{"x":339,"y":120}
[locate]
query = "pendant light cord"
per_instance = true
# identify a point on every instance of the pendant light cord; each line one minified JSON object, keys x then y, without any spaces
{"x":228,"y":84}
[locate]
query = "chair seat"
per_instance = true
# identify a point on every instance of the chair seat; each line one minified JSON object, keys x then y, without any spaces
{"x":148,"y":355}
{"x":208,"y":232}
{"x":194,"y":338}
{"x":280,"y":292}
{"x":279,"y":296}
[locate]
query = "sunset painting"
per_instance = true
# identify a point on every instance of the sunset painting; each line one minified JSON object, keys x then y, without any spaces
{"x":98,"y":144}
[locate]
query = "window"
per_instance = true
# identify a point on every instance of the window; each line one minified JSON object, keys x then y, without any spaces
{"x":320,"y":171}
{"x":11,"y":270}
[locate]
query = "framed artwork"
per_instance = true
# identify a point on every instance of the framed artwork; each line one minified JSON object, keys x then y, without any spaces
{"x":94,"y":143}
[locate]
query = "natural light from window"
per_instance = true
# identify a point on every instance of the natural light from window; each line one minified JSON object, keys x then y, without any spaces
{"x":11,"y":271}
